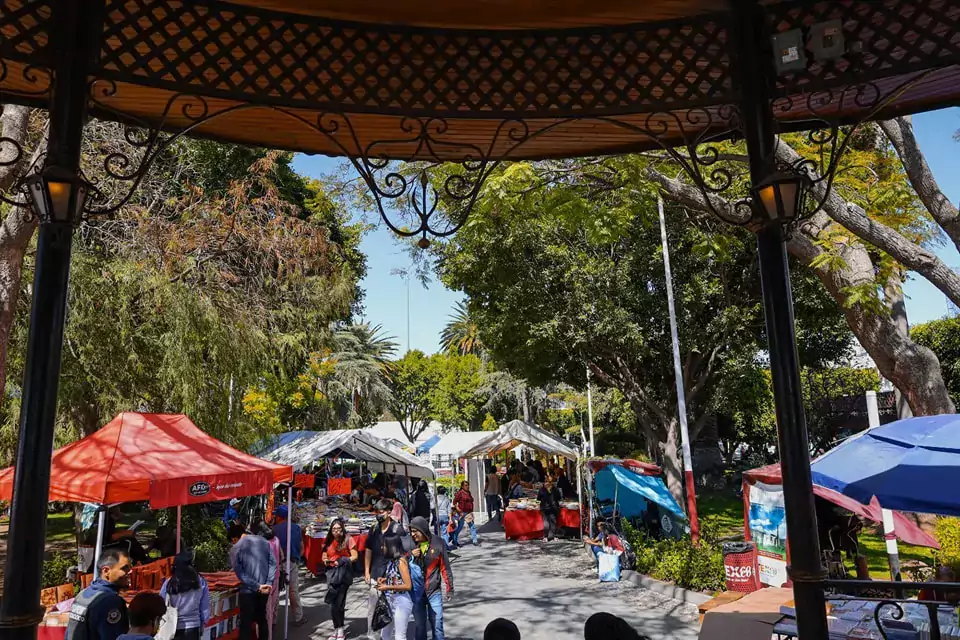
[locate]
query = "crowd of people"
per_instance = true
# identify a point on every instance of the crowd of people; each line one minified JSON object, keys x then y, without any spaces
{"x":405,"y":567}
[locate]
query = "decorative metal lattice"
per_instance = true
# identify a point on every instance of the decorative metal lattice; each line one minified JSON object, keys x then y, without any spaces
{"x":246,"y":54}
{"x":882,"y":39}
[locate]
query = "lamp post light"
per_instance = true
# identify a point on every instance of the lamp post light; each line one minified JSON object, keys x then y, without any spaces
{"x":58,"y":195}
{"x":781,"y":195}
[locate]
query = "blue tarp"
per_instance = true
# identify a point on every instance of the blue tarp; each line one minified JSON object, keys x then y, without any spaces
{"x":634,"y":491}
{"x":428,"y":444}
{"x":909,"y":465}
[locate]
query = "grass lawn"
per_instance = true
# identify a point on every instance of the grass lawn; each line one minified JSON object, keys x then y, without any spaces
{"x":724,"y":510}
{"x":60,"y":527}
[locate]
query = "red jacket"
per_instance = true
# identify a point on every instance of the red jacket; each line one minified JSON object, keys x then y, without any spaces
{"x":463,"y":501}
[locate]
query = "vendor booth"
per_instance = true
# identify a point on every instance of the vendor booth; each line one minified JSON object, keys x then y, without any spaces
{"x":765,"y":523}
{"x":301,"y":448}
{"x":635,"y":494}
{"x":165,"y":460}
{"x":522,"y":519}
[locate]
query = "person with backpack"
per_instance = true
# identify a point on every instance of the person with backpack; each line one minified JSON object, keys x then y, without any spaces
{"x":400,"y":586}
{"x":188,"y":593}
{"x":430,"y":555}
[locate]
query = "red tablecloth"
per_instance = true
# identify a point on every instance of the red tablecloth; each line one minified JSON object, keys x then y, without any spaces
{"x":569,"y":518}
{"x":51,"y":633}
{"x":522,"y":524}
{"x":313,"y":551}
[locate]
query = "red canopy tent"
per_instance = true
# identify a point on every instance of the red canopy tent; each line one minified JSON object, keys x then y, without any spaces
{"x":163,"y":458}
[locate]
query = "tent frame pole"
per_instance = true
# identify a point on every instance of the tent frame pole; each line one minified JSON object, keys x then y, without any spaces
{"x":286,"y":618}
{"x":179,"y":518}
{"x":101,"y":524}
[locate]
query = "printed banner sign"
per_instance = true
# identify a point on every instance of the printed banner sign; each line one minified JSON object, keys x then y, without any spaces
{"x":768,"y":530}
{"x":338,"y":486}
{"x":304,"y":481}
{"x":210,"y":488}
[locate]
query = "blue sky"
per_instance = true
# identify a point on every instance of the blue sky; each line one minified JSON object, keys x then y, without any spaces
{"x":386,"y":294}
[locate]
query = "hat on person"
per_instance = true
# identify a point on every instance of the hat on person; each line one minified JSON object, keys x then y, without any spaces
{"x":234,"y":502}
{"x":420,"y":524}
{"x":281,"y":511}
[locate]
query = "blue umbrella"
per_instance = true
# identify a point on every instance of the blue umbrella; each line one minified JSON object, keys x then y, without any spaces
{"x":909,"y":465}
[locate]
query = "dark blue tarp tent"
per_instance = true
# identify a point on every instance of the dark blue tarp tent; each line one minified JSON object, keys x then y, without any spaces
{"x":909,"y":465}
{"x":634,"y":490}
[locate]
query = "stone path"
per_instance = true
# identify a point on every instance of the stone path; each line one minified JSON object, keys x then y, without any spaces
{"x":547,"y":589}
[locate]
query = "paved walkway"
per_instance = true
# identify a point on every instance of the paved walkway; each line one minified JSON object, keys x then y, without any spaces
{"x":547,"y":589}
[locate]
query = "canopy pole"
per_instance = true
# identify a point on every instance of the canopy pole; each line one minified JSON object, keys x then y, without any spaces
{"x":286,"y":604}
{"x":179,"y":516}
{"x":689,"y":483}
{"x":436,"y":505}
{"x":590,"y":495}
{"x":889,"y":529}
{"x":580,"y":495}
{"x":101,"y":524}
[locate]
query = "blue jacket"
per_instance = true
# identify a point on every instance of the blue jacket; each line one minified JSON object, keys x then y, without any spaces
{"x":296,"y":540}
{"x":230,"y":515}
{"x":98,"y":613}
{"x":253,"y":562}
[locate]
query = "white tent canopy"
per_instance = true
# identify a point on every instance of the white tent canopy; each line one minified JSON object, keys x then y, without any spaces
{"x":451,"y":444}
{"x":300,"y":448}
{"x":517,"y":432}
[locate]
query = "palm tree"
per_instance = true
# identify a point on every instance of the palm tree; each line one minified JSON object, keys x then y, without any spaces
{"x":362,"y":355}
{"x":461,"y":335}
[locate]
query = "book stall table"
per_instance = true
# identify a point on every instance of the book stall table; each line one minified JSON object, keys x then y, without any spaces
{"x":523,"y":520}
{"x":224,"y":615}
{"x":854,"y":619}
{"x":316,"y":516}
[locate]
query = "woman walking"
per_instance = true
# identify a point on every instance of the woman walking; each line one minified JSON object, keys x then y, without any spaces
{"x":187,"y":592}
{"x":274,"y":599}
{"x":339,"y":554}
{"x":398,"y":585}
{"x":463,"y":505}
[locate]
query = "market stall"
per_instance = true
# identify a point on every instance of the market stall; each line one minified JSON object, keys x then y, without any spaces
{"x":765,"y":522}
{"x":301,"y":448}
{"x":631,"y":491}
{"x":165,"y":460}
{"x":522,"y":519}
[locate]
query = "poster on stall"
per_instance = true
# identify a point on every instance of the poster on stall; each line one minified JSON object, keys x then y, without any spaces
{"x":338,"y":487}
{"x":768,"y":530}
{"x":304,"y":481}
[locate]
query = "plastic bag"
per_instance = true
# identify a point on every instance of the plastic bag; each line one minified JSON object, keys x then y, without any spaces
{"x":382,"y":615}
{"x":168,"y":626}
{"x":609,"y":567}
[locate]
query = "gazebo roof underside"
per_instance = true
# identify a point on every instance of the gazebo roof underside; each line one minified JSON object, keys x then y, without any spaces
{"x":486,"y":78}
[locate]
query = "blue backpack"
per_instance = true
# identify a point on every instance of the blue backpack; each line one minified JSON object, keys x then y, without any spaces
{"x":416,"y":577}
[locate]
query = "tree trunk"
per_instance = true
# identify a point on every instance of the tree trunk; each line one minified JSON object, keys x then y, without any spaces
{"x":912,"y":368}
{"x":893,"y":292}
{"x":16,"y":230}
{"x":672,"y":466}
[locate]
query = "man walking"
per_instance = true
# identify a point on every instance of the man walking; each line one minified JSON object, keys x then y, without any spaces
{"x":256,"y":567}
{"x":430,"y":554}
{"x":99,"y":613}
{"x":492,"y":493}
{"x":549,"y":497}
{"x":281,"y":514}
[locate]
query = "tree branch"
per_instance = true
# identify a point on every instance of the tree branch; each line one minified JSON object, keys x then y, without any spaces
{"x":856,"y":220}
{"x":899,"y":132}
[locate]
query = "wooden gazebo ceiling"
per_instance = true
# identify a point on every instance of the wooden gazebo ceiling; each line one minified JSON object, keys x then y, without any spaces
{"x":497,"y":78}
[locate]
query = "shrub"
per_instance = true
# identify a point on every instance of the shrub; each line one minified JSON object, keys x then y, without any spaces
{"x":697,"y":567}
{"x":55,"y":569}
{"x":947,"y":533}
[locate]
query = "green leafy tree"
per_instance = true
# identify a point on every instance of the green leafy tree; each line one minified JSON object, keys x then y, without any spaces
{"x":362,"y":370}
{"x":411,"y":382}
{"x":456,"y":392}
{"x":943,"y":338}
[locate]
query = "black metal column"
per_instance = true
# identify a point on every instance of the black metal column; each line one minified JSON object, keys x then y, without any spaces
{"x":75,"y":36}
{"x":755,"y":72}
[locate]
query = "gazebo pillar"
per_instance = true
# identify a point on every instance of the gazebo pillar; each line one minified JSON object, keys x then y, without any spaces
{"x":75,"y":38}
{"x":755,"y":79}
